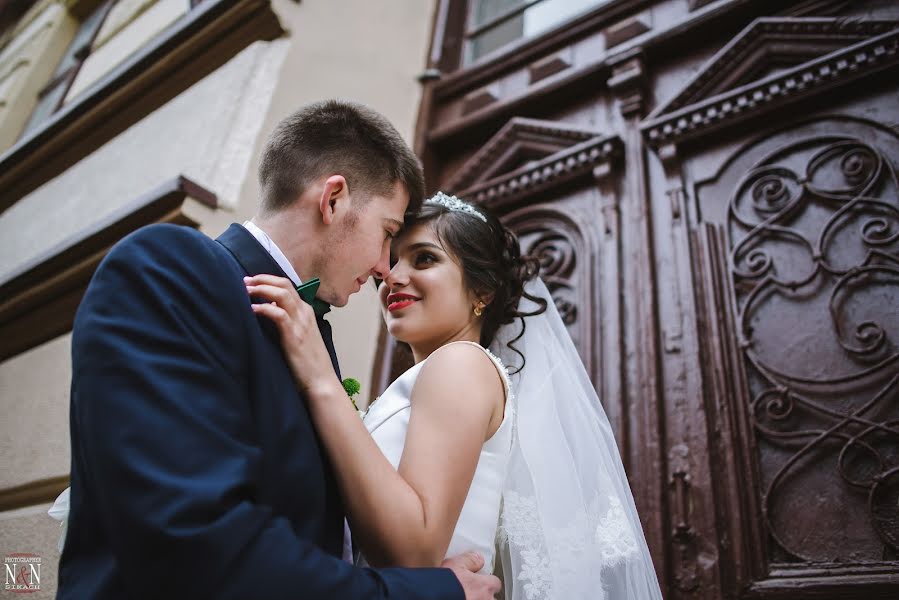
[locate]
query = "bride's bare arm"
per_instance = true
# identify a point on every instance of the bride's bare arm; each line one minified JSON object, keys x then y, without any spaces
{"x":405,"y":516}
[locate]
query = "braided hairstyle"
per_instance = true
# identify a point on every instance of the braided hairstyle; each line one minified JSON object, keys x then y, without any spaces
{"x":492,"y":265}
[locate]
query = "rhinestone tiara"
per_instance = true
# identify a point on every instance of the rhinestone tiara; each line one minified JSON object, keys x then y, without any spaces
{"x":454,"y":204}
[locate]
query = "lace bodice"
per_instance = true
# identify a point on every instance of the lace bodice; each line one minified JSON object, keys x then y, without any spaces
{"x":388,"y":420}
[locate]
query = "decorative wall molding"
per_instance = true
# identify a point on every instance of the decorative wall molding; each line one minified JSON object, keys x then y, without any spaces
{"x":555,"y":63}
{"x":519,"y":140}
{"x":567,"y":252}
{"x":628,"y":29}
{"x":770,"y":43}
{"x":629,"y":82}
{"x":834,"y":69}
{"x":556,"y":169}
{"x":583,"y":40}
{"x":480,"y":98}
{"x":40,"y":299}
{"x":19,"y":18}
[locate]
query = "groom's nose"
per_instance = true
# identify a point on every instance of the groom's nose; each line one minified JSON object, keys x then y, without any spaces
{"x":396,"y":277}
{"x":382,"y":268}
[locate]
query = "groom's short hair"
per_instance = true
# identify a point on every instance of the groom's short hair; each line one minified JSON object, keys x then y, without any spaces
{"x":337,"y":137}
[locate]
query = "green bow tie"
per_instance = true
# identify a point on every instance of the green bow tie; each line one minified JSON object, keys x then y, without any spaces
{"x":307,"y":293}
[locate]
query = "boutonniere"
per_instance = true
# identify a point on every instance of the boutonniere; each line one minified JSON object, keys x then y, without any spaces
{"x":351,"y":387}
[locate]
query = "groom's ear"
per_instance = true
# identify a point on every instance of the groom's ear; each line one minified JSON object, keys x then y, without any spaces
{"x":334,"y":197}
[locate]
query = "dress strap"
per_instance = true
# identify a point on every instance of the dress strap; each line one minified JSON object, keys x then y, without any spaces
{"x":497,"y":362}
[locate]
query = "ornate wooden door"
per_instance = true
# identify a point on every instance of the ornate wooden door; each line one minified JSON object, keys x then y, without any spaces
{"x":798,"y":259}
{"x":712,"y":190}
{"x":792,"y":231}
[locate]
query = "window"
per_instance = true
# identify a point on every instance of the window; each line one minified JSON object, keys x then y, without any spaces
{"x":50,"y":98}
{"x":89,"y":56}
{"x":494,"y":24}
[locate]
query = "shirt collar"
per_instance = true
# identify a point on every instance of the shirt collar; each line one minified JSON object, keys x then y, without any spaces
{"x":272,"y":248}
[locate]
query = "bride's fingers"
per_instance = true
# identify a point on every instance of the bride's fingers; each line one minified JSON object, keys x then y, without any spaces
{"x":267,"y":279}
{"x":291,"y":330}
{"x":273,"y":312}
{"x":287,"y":299}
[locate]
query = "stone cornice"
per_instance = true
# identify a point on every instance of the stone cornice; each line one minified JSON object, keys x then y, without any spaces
{"x":34,"y":492}
{"x":40,"y":298}
{"x":760,"y":97}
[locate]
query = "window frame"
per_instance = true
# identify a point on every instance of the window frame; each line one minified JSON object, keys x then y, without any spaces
{"x":472,"y":30}
{"x":67,"y":77}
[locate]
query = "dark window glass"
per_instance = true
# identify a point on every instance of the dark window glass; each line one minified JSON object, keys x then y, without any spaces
{"x":494,"y":24}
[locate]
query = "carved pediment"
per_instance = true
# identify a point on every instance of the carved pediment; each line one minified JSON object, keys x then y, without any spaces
{"x":530,"y":154}
{"x":773,"y":61}
{"x":519,"y":142}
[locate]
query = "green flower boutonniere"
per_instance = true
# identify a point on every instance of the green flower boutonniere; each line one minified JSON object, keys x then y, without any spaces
{"x":351,"y":387}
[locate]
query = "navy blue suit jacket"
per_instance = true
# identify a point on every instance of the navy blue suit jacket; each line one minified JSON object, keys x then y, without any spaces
{"x":196,"y":471}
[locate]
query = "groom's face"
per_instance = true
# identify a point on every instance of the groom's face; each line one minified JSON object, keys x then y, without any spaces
{"x":360,"y":245}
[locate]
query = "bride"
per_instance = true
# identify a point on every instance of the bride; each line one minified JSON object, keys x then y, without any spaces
{"x":494,"y":440}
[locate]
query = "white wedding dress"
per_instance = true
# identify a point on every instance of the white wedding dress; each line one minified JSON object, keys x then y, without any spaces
{"x":550,"y":481}
{"x":388,"y":419}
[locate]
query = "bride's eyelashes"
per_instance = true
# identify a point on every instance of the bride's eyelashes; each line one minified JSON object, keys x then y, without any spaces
{"x":424,"y":259}
{"x":421,"y":259}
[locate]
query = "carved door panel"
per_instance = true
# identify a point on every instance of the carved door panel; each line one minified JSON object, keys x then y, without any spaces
{"x":799,"y":260}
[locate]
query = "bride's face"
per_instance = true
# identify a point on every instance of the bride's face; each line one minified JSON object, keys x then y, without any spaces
{"x":423,"y":298}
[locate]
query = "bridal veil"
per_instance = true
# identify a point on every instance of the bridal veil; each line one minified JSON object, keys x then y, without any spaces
{"x":569,"y":528}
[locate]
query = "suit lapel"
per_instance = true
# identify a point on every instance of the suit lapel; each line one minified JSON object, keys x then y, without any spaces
{"x":249,"y":252}
{"x":255,"y":259}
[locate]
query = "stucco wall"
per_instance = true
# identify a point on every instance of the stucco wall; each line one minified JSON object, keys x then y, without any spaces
{"x":363,"y":50}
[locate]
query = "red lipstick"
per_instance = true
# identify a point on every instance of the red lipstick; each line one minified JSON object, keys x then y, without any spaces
{"x":399,"y":301}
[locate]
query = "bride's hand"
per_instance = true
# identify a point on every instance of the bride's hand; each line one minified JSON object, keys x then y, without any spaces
{"x":302,"y":341}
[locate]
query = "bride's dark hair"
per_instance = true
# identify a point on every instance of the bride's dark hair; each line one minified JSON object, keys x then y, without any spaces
{"x":492,"y":265}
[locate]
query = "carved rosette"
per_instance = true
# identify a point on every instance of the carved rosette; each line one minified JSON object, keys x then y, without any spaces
{"x":554,"y":239}
{"x":557,"y":262}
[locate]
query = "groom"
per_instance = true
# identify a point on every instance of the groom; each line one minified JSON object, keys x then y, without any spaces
{"x":196,"y":472}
